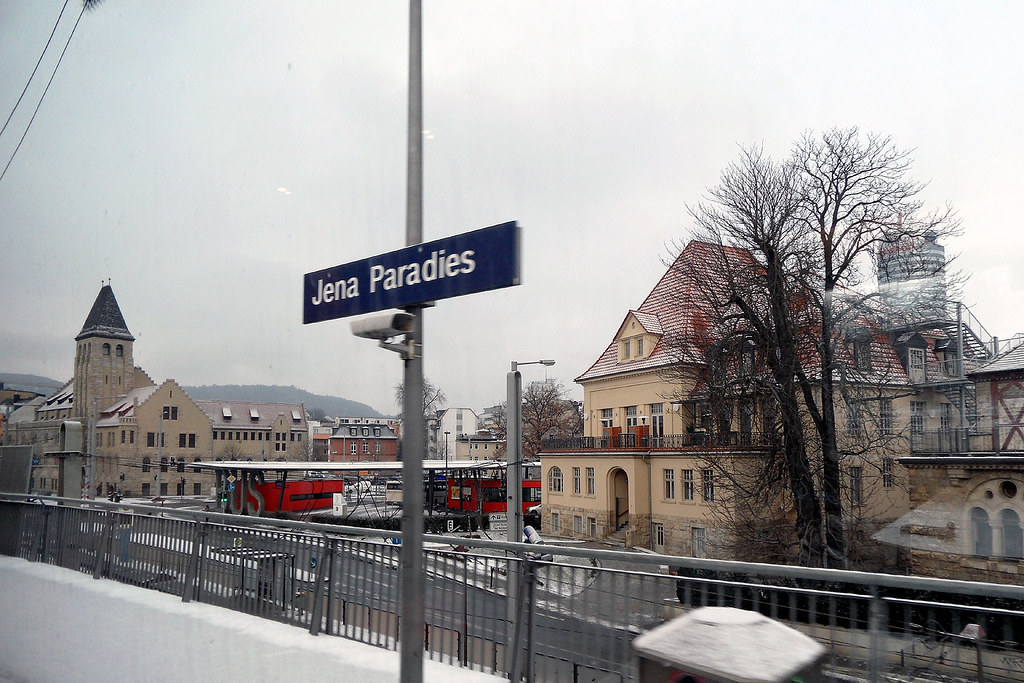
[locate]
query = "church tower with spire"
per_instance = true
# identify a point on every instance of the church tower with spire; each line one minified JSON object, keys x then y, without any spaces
{"x":104,"y":359}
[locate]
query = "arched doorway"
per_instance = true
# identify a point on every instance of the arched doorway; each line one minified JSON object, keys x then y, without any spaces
{"x":619,"y":503}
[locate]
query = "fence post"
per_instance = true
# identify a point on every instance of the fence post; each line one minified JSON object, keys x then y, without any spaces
{"x":191,"y":574}
{"x":876,"y":624}
{"x":323,"y":572}
{"x":102,"y":546}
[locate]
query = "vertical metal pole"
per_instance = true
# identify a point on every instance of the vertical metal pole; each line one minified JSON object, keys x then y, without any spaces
{"x":159,"y":451}
{"x":411,"y":580}
{"x":513,"y":510}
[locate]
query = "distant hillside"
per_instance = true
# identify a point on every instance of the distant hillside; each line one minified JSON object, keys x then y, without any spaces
{"x":330,"y":405}
{"x":40,"y":385}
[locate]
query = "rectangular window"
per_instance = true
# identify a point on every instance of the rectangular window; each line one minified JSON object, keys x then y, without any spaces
{"x":577,"y":525}
{"x":657,"y":419}
{"x":592,"y":526}
{"x":700,"y":542}
{"x":556,"y":522}
{"x":577,"y":485}
{"x":182,"y":440}
{"x":366,"y":448}
{"x":197,"y":489}
{"x":659,"y":534}
{"x":145,"y":490}
{"x":853,"y":419}
{"x":150,"y":439}
{"x":131,"y":437}
{"x":887,"y":473}
{"x":862,"y":354}
{"x":689,"y":490}
{"x":625,"y":349}
{"x":607,"y":418}
{"x":708,"y":480}
{"x":856,"y":485}
{"x":191,"y":440}
{"x":640,"y":347}
{"x":170,"y":412}
{"x":915,"y":361}
{"x":123,"y":436}
{"x":670,"y":484}
{"x":354,"y":449}
{"x":917,"y":416}
{"x":631,"y":416}
{"x":590,"y":481}
{"x":946,"y":416}
{"x":885,"y":416}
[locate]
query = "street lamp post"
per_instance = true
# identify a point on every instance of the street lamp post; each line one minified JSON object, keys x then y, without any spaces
{"x":446,"y":452}
{"x":514,"y":501}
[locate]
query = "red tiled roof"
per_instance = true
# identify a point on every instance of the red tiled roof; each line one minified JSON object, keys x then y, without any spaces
{"x":679,"y":309}
{"x":676,"y":310}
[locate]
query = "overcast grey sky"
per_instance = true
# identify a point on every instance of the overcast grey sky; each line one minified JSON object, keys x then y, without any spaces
{"x":159,"y":156}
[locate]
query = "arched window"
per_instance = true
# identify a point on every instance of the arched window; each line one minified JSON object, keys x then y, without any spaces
{"x":982,"y":532}
{"x":1013,"y":538}
{"x":119,"y":351}
{"x":555,"y":480}
{"x":106,"y":349}
{"x":145,"y":464}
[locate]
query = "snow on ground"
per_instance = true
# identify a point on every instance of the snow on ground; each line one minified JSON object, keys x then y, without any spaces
{"x":60,"y":625}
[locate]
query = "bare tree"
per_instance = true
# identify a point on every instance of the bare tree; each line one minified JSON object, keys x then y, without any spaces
{"x":433,"y":398}
{"x":749,"y":301}
{"x":856,"y":198}
{"x":811,"y":226}
{"x":547,"y":413}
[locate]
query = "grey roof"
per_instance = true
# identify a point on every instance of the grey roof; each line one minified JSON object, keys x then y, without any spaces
{"x":105,"y":319}
{"x":1012,"y":360}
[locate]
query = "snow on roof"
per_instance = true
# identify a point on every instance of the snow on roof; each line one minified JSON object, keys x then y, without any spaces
{"x":1011,"y":361}
{"x":676,"y":309}
{"x":250,"y":414}
{"x":681,"y":311}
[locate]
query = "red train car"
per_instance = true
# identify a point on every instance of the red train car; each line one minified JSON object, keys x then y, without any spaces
{"x":483,"y":490}
{"x":299,"y":496}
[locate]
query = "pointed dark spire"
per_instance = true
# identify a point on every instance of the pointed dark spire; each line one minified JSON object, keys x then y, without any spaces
{"x":105,"y":319}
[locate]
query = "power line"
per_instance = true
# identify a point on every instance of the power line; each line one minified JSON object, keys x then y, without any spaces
{"x":86,"y":5}
{"x":36,"y":68}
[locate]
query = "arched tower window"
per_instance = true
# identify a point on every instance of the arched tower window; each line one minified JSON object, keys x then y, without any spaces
{"x":982,"y":532}
{"x":1013,"y":538}
{"x":106,"y":349}
{"x":119,"y":351}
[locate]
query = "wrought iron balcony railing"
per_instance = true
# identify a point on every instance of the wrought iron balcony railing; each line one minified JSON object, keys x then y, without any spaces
{"x":690,"y":440}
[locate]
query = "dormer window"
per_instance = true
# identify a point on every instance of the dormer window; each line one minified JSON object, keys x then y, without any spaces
{"x":625,"y":350}
{"x":862,"y":353}
{"x":640,"y":347}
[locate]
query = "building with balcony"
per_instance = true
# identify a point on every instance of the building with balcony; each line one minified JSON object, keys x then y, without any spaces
{"x":670,"y":433}
{"x":967,"y":485}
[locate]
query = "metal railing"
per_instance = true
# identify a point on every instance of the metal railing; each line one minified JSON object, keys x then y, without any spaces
{"x":578,"y":608}
{"x":698,"y":440}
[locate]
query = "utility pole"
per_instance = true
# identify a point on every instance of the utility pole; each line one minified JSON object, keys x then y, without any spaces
{"x":411,"y":579}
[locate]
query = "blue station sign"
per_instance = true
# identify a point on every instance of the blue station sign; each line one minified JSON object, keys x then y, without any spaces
{"x":462,"y":264}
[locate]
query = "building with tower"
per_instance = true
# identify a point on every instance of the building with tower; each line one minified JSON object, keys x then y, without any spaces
{"x":140,"y":437}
